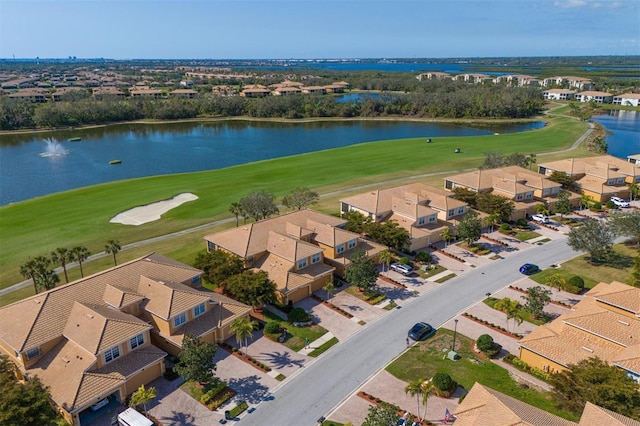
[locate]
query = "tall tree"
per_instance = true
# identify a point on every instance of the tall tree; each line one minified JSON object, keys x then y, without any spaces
{"x":259,"y":205}
{"x":299,"y":198}
{"x":40,"y":272}
{"x":356,"y":221}
{"x":596,"y":381}
{"x":536,"y":299}
{"x":62,"y":255}
{"x":492,"y":160}
{"x":217,"y":266}
{"x":243,"y":328}
{"x":594,"y":237}
{"x":634,"y":189}
{"x":195,"y":361}
{"x":447,"y":235}
{"x":556,"y":281}
{"x":362,"y":271}
{"x":29,"y":269}
{"x":531,"y":160}
{"x":113,"y":247}
{"x":428,"y":389}
{"x":389,"y":233}
{"x":142,"y":396}
{"x":414,"y":388}
{"x":470,"y":228}
{"x":567,"y":181}
{"x":495,"y":204}
{"x":634,"y":280}
{"x":236,"y":210}
{"x":252,"y":288}
{"x":626,"y":224}
{"x":466,"y":195}
{"x":563,"y":203}
{"x":385,"y":257}
{"x":25,"y":402}
{"x":511,"y":308}
{"x":329,"y":288}
{"x":80,"y":254}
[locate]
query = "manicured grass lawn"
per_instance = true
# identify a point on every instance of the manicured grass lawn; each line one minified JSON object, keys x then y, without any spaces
{"x":445,"y":278}
{"x":324,"y":347}
{"x":81,"y":217}
{"x":435,"y":270}
{"x":372,"y":297}
{"x":526,"y":235}
{"x":491,"y":301}
{"x":295,"y":342}
{"x":591,"y":274}
{"x":426,"y":358}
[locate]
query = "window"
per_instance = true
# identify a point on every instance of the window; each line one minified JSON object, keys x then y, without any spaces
{"x":555,"y":190}
{"x":432,"y":218}
{"x":111,"y":354}
{"x":422,"y":220}
{"x":460,"y":210}
{"x":352,"y":244}
{"x":180,"y":319}
{"x":452,"y":212}
{"x":316,"y":258}
{"x":137,"y":341}
{"x":545,"y":191}
{"x":529,"y":195}
{"x":620,"y":181}
{"x":195,"y":280}
{"x":32,"y":353}
{"x":611,"y":181}
{"x":302,"y":263}
{"x":340,"y":248}
{"x":198,"y":310}
{"x":519,"y":197}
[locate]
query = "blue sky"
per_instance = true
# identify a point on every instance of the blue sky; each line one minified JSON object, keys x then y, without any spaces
{"x":274,"y":29}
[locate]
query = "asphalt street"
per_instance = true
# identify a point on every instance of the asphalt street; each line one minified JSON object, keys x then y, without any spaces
{"x":320,"y":387}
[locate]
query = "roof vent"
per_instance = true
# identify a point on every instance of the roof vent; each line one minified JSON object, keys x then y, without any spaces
{"x":37,"y":302}
{"x":89,"y":315}
{"x":624,"y":323}
{"x":587,"y":349}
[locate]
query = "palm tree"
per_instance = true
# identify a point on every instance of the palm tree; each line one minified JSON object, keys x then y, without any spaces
{"x":428,"y":389}
{"x":113,"y":247}
{"x":446,"y":235}
{"x":556,"y":281}
{"x":80,"y":254}
{"x":329,"y":288}
{"x":414,"y":388}
{"x":385,"y":258}
{"x":634,"y":188}
{"x":511,"y":308}
{"x":236,"y":210}
{"x":29,"y":270}
{"x":49,"y":279}
{"x":142,"y":397}
{"x":62,"y":255}
{"x":243,"y":328}
{"x":531,"y":160}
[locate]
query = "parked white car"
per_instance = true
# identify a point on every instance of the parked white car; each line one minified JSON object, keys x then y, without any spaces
{"x":540,"y":218}
{"x":402,"y":268}
{"x":619,"y":202}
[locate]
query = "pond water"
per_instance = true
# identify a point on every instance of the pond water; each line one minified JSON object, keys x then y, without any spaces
{"x":31,"y":167}
{"x":624,"y":128}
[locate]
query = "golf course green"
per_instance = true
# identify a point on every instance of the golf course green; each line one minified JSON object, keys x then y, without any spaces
{"x":81,"y":217}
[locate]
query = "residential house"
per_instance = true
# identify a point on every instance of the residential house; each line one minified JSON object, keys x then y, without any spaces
{"x":433,"y":76}
{"x":255,"y":91}
{"x":473,"y":78}
{"x":224,"y":90}
{"x":605,"y":324}
{"x":485,"y":406}
{"x":627,"y":99}
{"x":300,"y":250}
{"x":314,"y":90}
{"x":286,"y":90}
{"x":183,"y":93}
{"x":595,"y":96}
{"x":33,"y":95}
{"x":334,"y":88}
{"x":559,"y":94}
{"x":523,"y":187}
{"x":59,"y":94}
{"x":599,"y":178}
{"x":107,"y":334}
{"x":580,"y":83}
{"x":518,"y":80}
{"x":145,"y":92}
{"x":106,"y":92}
{"x":423,"y":210}
{"x":634,"y":159}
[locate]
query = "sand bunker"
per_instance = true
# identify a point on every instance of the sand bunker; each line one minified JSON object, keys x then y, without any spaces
{"x":143,"y":214}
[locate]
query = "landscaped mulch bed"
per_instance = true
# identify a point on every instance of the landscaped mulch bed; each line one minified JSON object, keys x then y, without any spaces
{"x":492,"y":326}
{"x":555,"y":302}
{"x":377,"y":401}
{"x":391,"y":281}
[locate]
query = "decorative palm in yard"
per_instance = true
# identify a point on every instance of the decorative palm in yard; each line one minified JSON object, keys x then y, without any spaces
{"x":243,"y":328}
{"x":142,"y":397}
{"x":385,"y":257}
{"x":414,"y":388}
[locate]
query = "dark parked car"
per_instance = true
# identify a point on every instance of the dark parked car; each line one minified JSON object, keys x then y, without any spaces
{"x":420,"y":331}
{"x":529,"y":269}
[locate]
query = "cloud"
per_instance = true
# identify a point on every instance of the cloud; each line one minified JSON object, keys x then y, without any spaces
{"x":566,"y":4}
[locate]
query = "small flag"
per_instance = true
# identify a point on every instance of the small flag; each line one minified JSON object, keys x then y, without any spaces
{"x":447,"y":415}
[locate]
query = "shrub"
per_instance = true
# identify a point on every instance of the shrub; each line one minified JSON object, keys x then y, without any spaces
{"x":522,"y":223}
{"x":443,"y":381}
{"x":423,"y":256}
{"x":610,"y":205}
{"x":596,"y":206}
{"x":298,"y":315}
{"x":576,"y":281}
{"x":505,"y":227}
{"x":272,"y":327}
{"x":404,"y":261}
{"x":484,"y":342}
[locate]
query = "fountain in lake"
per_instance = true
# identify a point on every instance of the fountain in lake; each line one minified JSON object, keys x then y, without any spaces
{"x":54,"y":149}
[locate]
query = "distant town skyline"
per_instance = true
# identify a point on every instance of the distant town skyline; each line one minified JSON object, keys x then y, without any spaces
{"x":318,"y":29}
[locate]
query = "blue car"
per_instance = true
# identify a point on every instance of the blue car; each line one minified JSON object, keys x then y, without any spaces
{"x":420,"y":331}
{"x":529,"y":269}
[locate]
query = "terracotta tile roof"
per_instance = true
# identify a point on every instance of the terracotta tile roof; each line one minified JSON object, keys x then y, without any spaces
{"x":330,"y":235}
{"x":276,"y":267}
{"x":619,"y":295}
{"x":594,"y":415}
{"x":628,"y":96}
{"x":119,"y":297}
{"x":131,"y":363}
{"x":289,"y":248}
{"x":97,"y":328}
{"x":577,"y":166}
{"x":484,"y":406}
{"x":42,"y":318}
{"x":167,"y":299}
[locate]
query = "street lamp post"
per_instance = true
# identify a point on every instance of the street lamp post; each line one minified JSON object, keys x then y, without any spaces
{"x":455,"y":331}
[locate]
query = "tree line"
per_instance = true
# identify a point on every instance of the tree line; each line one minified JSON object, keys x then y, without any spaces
{"x":438,"y":100}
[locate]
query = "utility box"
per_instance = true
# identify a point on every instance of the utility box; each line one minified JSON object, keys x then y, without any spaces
{"x":453,"y":356}
{"x":131,"y":417}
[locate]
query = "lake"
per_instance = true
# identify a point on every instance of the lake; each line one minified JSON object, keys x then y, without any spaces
{"x":624,"y":126}
{"x":158,"y":149}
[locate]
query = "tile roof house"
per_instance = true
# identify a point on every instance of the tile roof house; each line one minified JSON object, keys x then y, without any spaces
{"x":559,"y":94}
{"x":183,"y":93}
{"x":597,"y":177}
{"x":300,"y":251}
{"x":423,"y":210}
{"x":605,"y":324}
{"x":485,"y":406}
{"x":525,"y":188}
{"x":595,"y":96}
{"x":31,"y":94}
{"x":628,"y":99}
{"x":569,"y":81}
{"x":106,"y":334}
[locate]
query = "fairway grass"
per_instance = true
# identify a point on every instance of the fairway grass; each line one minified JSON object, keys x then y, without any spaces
{"x":81,"y":216}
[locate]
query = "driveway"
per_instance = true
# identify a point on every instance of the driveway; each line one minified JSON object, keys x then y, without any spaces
{"x":337,"y":324}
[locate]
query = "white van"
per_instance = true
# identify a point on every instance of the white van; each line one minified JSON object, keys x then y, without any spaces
{"x":131,"y":417}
